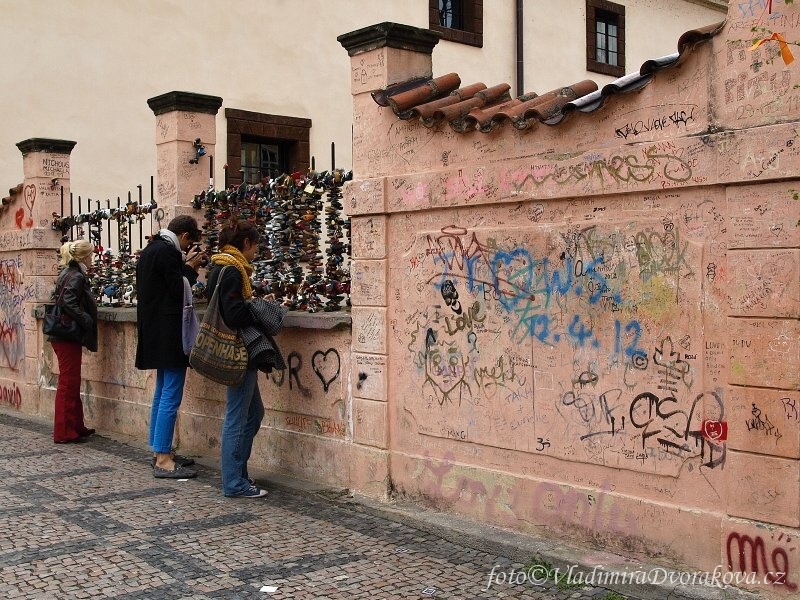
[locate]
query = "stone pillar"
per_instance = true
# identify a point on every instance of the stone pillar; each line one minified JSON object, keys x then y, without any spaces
{"x":184,"y":122}
{"x":28,"y":264}
{"x":380,"y":56}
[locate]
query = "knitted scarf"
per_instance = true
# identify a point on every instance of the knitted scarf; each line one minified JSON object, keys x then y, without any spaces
{"x":230,"y":255}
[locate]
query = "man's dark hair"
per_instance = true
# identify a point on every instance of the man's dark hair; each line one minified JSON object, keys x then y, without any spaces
{"x":185,"y":224}
{"x":235,"y":232}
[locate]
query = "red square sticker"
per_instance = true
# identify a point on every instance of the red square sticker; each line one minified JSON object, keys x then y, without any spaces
{"x":715,"y":431}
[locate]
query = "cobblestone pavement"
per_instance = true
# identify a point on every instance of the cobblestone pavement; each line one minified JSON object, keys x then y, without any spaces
{"x":90,"y":521}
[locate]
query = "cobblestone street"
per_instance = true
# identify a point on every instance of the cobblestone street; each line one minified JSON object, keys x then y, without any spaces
{"x":89,"y":521}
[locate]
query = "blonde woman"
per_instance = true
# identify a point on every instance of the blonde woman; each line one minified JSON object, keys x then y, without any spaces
{"x":73,"y":293}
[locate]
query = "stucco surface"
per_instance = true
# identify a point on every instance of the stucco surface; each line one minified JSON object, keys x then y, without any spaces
{"x":592,"y":329}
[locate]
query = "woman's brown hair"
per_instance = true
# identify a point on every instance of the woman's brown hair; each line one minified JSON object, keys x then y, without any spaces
{"x":235,"y":232}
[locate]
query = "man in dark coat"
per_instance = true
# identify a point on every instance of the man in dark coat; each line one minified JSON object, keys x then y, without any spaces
{"x":160,"y":271}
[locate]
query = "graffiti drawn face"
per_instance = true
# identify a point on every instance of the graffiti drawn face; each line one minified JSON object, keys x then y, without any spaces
{"x":445,"y":365}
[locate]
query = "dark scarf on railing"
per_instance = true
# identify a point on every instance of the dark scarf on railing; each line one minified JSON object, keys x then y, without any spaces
{"x":230,"y":255}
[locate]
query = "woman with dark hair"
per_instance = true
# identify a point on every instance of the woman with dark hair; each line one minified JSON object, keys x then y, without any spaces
{"x":231,"y":271}
{"x":74,"y":295}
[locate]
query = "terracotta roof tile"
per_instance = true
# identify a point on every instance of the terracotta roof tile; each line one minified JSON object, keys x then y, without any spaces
{"x":477,"y":107}
{"x":434,"y":88}
{"x":427,"y":111}
{"x":456,"y":113}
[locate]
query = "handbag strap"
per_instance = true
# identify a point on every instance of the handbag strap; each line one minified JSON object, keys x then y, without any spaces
{"x":213,"y":308}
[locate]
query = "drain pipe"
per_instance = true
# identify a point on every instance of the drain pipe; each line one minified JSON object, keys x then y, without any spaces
{"x":520,"y":51}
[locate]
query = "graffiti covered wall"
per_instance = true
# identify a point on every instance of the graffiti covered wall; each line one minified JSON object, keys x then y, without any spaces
{"x":592,"y":330}
{"x":28,"y":265}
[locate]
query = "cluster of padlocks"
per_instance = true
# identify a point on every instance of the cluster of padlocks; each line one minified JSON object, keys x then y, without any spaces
{"x":303,"y":258}
{"x":291,"y":264}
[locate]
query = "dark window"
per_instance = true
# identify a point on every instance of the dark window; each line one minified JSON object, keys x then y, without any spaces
{"x":457,"y":20}
{"x":451,"y":14}
{"x":262,"y":145}
{"x":605,"y":37}
{"x":262,"y":158}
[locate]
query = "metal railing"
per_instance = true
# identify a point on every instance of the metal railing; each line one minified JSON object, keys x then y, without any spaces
{"x":303,"y":259}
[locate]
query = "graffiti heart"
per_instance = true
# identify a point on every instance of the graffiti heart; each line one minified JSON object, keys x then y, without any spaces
{"x":326,"y":365}
{"x":29,"y":196}
{"x":715,"y":431}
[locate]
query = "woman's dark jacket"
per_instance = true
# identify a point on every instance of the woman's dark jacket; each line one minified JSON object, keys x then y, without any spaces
{"x":232,"y":305}
{"x":78,"y":302}
{"x":159,"y":309}
{"x":263,"y":353}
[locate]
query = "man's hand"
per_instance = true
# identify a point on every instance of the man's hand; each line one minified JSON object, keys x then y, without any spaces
{"x":195,"y":257}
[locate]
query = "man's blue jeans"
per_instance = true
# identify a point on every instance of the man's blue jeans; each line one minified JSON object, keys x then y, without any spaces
{"x":243,"y":414}
{"x":166,"y":401}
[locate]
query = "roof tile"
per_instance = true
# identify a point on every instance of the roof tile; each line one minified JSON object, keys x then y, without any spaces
{"x":475,"y":106}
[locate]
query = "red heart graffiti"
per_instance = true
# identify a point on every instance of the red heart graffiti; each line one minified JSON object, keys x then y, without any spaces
{"x":715,"y":431}
{"x":30,"y":196}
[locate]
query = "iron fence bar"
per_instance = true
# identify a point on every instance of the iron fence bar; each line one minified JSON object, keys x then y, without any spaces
{"x":108,"y":202}
{"x":142,"y":220}
{"x":72,"y":215}
{"x":119,"y":222}
{"x":62,"y":202}
{"x":99,"y":225}
{"x":128,"y":219}
{"x":152,"y":201}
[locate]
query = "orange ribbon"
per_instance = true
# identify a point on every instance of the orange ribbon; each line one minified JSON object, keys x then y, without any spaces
{"x":786,"y":53}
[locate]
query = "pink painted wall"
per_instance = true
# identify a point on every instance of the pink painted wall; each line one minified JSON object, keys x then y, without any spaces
{"x":312,"y":430}
{"x":592,"y":331}
{"x":28,"y":264}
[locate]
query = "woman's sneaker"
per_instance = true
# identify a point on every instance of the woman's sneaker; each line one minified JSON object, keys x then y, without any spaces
{"x":179,"y":472}
{"x":251,"y":492}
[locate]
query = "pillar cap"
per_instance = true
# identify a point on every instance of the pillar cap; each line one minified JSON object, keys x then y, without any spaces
{"x":184,"y":101}
{"x":393,"y":35}
{"x":45,"y":145}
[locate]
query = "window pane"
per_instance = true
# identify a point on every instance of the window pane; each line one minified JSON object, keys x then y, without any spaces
{"x":601,"y":42}
{"x":451,"y":14}
{"x":270,"y":160}
{"x":608,"y":45}
{"x":250,"y":162}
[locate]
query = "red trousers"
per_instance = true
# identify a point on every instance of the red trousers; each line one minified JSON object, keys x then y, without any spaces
{"x":68,"y":419}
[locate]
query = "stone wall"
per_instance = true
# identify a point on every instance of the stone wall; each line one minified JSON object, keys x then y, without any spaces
{"x":307,"y":430}
{"x":309,"y":426}
{"x":592,"y":330}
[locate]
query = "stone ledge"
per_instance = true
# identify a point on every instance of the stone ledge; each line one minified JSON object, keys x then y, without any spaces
{"x":45,"y":145}
{"x":393,"y":35}
{"x":293,"y":320}
{"x":184,"y":101}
